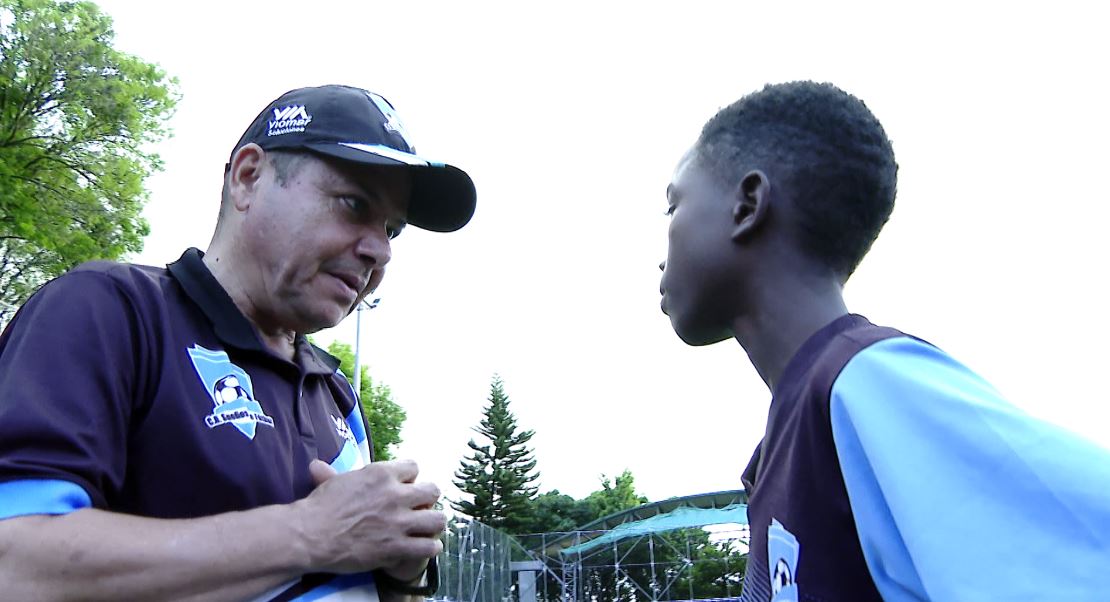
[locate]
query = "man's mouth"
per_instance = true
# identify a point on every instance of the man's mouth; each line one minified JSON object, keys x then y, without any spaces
{"x":352,"y":281}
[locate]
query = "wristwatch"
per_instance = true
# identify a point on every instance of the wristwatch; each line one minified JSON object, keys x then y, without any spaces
{"x":430,"y":580}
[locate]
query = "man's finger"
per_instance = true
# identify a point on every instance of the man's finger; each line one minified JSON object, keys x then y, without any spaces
{"x":404,"y":470}
{"x":427,"y":523}
{"x":422,"y":496}
{"x":321,"y":471}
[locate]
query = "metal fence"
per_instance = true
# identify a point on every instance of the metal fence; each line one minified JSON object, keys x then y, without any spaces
{"x":682,"y":564}
{"x":474,"y":564}
{"x":686,"y":564}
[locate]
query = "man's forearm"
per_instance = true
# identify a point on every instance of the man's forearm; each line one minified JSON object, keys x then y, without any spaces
{"x":373,"y":518}
{"x":93,"y":555}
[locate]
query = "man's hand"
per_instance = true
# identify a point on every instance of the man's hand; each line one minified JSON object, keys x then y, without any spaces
{"x":371,"y":518}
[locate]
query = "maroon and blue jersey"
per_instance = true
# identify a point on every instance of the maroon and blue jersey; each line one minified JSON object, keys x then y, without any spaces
{"x":889,"y":471}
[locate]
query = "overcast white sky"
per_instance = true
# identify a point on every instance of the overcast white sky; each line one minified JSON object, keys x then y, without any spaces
{"x":570,"y":119}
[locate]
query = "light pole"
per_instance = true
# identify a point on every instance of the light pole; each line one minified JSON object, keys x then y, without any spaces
{"x":364,"y":304}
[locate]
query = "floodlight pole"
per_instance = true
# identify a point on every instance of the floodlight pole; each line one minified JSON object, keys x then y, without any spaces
{"x":364,"y":304}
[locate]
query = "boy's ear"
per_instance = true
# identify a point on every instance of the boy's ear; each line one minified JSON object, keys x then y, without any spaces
{"x":752,"y":202}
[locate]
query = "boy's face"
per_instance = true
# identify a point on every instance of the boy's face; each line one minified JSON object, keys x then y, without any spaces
{"x":699,"y":277}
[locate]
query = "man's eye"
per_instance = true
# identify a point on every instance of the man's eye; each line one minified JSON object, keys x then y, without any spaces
{"x":670,"y":211}
{"x":354,"y":204}
{"x":393,"y":231}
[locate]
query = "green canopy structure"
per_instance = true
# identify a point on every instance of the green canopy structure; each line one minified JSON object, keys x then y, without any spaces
{"x":680,"y":517}
{"x":697,"y":510}
{"x":629,"y":555}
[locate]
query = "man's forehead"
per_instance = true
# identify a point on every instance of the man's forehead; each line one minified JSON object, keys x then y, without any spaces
{"x":370,"y":177}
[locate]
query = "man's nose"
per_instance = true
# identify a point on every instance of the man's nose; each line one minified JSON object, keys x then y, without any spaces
{"x":374,"y":248}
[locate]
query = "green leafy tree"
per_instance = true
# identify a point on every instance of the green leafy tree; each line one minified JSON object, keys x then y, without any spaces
{"x":498,"y":476}
{"x":385,"y":417}
{"x":555,"y":512}
{"x":77,"y":118}
{"x":616,"y":495}
{"x":717,"y":569}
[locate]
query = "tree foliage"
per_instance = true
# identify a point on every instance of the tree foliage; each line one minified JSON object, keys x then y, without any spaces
{"x":555,"y":512}
{"x":385,"y":417}
{"x":498,"y":475}
{"x":614,"y":496}
{"x":77,"y":118}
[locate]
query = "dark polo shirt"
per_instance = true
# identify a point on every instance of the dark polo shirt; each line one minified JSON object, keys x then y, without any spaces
{"x":145,"y":391}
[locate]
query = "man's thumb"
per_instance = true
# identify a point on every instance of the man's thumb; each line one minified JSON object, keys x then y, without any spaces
{"x":321,"y":471}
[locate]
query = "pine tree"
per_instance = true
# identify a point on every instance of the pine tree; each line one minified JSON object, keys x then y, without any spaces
{"x":497,"y":476}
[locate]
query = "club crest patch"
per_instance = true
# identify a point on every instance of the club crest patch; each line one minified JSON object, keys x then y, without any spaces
{"x":230,"y":390}
{"x":782,"y":562}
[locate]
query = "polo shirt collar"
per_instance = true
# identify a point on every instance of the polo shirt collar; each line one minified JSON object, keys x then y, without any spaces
{"x":229,"y":324}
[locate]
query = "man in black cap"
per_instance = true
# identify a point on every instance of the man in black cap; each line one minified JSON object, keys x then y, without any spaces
{"x":170,"y":433}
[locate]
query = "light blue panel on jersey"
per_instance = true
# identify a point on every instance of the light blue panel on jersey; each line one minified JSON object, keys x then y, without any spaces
{"x":41,"y":496}
{"x":958,"y":494}
{"x":358,"y":587}
{"x":354,"y":421}
{"x":344,"y":588}
{"x":348,"y":459}
{"x":356,"y":424}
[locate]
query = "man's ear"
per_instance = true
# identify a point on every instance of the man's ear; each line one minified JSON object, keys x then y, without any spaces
{"x":245,"y":172}
{"x":753,"y":198}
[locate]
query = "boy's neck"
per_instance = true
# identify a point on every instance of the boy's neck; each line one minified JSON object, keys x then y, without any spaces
{"x":784,"y":315}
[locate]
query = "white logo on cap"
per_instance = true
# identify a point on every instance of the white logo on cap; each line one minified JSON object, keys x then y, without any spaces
{"x":290,"y":119}
{"x":392,"y":121}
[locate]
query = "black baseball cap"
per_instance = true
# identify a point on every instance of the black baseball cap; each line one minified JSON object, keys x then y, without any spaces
{"x":358,"y":126}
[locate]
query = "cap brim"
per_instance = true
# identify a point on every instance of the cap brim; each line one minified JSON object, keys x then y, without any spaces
{"x":443,"y":196}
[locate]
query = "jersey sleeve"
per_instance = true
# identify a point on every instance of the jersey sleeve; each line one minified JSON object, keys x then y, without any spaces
{"x":68,"y":376}
{"x":959,"y":495}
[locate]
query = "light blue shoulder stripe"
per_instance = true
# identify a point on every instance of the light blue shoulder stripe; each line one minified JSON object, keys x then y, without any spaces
{"x":41,"y":496}
{"x":958,"y":494}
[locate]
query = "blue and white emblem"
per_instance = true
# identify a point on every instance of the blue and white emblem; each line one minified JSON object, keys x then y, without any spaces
{"x":231,"y":391}
{"x":782,"y":562}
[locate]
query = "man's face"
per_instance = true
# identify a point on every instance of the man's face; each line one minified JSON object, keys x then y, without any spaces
{"x":698,"y":276}
{"x":321,"y":240}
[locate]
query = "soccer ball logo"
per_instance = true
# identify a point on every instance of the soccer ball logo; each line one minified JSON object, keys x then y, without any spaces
{"x":782,"y":577}
{"x":228,"y":389}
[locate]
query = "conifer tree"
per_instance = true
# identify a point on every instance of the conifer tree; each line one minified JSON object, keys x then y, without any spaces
{"x":497,"y":476}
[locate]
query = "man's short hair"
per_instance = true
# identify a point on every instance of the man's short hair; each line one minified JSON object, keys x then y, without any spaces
{"x":828,"y":150}
{"x":286,"y":164}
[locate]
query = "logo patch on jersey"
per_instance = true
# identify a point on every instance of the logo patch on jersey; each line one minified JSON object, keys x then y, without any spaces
{"x":344,"y":430}
{"x":782,"y":562}
{"x":230,"y":389}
